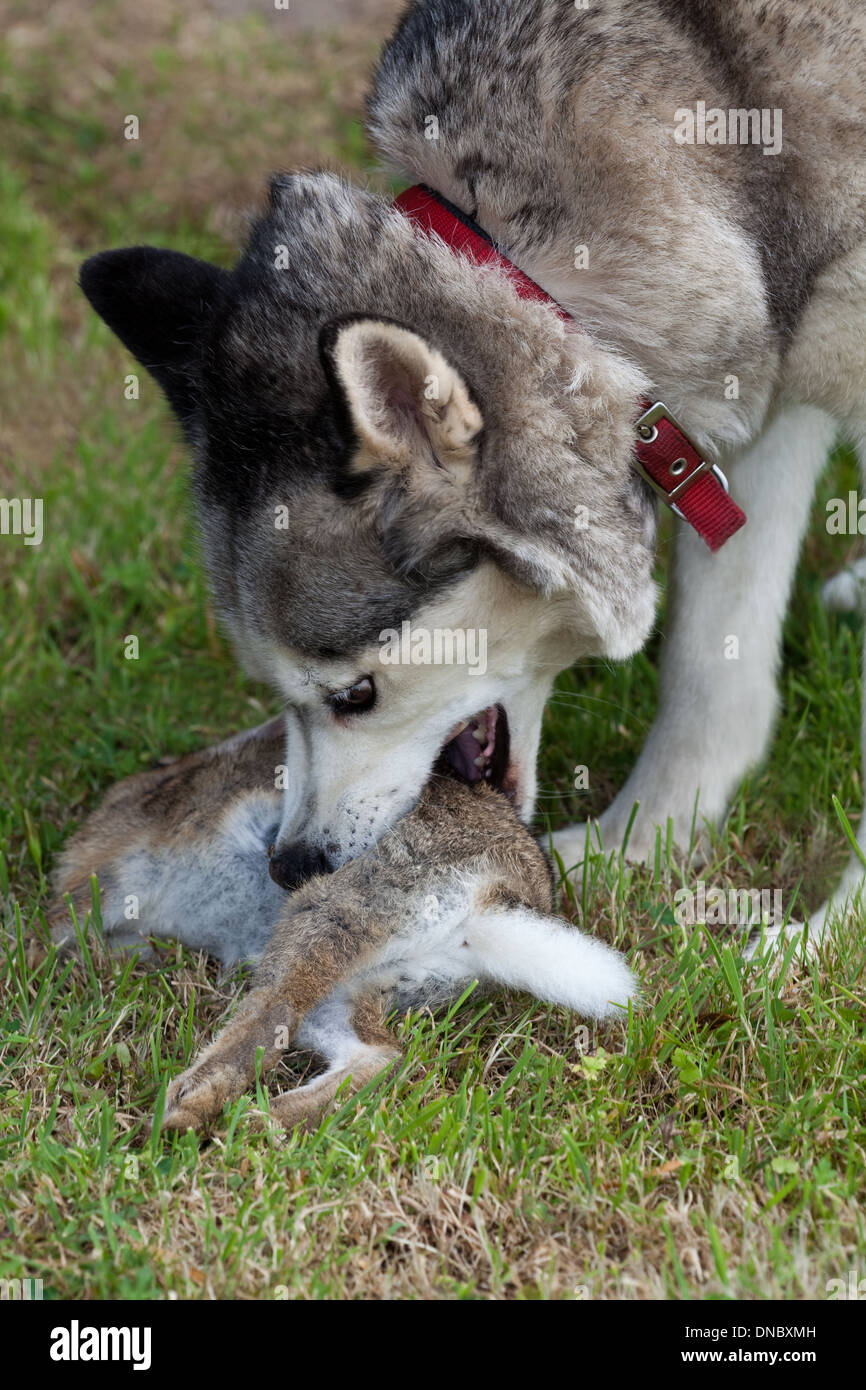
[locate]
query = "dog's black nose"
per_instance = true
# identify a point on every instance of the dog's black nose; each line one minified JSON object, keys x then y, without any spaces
{"x":290,"y":866}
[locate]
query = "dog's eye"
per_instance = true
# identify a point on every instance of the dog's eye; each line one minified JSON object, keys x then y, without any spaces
{"x":355,"y":698}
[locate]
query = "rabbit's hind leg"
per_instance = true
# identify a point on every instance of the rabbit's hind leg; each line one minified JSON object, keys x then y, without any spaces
{"x":225,"y":1069}
{"x":351,"y":1037}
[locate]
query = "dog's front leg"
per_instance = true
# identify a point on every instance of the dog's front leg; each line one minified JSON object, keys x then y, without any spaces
{"x":828,"y":363}
{"x":718,"y":675}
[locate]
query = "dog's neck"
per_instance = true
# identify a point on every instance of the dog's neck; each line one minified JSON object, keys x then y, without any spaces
{"x":665,"y":454}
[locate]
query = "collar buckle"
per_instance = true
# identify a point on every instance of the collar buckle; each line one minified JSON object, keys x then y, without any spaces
{"x":681,"y":473}
{"x":667,"y":458}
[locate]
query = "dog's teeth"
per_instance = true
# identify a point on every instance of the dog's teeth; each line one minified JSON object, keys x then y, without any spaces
{"x":479,"y":761}
{"x":480,"y":734}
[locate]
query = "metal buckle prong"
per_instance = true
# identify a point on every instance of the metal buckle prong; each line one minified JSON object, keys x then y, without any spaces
{"x":647,"y":431}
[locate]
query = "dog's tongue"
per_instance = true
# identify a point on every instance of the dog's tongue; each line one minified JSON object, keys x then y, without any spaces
{"x":464,"y":748}
{"x":462,"y":751}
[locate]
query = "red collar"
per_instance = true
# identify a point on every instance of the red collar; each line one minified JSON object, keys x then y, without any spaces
{"x":665,"y":455}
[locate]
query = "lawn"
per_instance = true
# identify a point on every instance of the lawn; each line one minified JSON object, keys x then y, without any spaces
{"x":711,"y":1148}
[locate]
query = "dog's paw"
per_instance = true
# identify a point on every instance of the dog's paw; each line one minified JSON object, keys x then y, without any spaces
{"x":768,"y":942}
{"x":610,"y":834}
{"x":845,"y":592}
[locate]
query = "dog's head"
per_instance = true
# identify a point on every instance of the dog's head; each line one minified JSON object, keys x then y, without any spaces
{"x":415,"y":494}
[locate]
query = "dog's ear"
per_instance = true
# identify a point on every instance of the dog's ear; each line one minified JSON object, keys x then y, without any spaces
{"x":157,"y":303}
{"x":404,"y":402}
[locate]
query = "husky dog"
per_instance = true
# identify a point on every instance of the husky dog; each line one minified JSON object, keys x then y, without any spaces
{"x":432,"y":438}
{"x":457,"y":891}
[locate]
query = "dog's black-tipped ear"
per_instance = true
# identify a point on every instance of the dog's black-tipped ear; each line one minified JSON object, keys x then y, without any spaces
{"x":405,"y":403}
{"x":157,"y":302}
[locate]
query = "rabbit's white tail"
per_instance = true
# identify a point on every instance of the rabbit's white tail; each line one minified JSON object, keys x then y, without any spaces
{"x":556,"y":962}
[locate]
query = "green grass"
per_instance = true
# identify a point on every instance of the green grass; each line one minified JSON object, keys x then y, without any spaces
{"x":713,"y":1147}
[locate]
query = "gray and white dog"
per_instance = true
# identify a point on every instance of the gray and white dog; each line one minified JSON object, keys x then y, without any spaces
{"x":718,"y":265}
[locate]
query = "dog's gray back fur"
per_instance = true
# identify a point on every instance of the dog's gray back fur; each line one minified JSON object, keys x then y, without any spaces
{"x":508,"y":79}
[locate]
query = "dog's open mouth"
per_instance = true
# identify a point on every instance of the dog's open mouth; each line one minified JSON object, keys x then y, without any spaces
{"x":477,"y":750}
